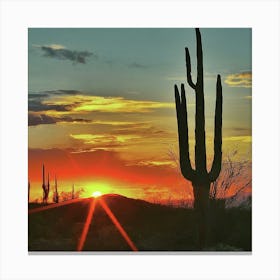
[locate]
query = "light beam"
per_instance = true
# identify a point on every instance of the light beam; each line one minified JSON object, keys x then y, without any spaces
{"x":86,"y":226}
{"x":117,"y":224}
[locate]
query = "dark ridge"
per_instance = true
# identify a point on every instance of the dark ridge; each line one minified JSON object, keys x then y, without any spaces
{"x":151,"y":227}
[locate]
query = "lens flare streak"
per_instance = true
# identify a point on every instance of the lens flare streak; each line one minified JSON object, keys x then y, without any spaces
{"x":86,"y":226}
{"x":117,"y":224}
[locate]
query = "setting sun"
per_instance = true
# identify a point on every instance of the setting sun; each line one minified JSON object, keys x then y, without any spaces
{"x":96,"y":194}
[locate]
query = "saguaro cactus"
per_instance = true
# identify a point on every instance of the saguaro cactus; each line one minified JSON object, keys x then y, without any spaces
{"x":55,"y":192}
{"x":200,"y":177}
{"x":46,"y":188}
{"x":73,"y":192}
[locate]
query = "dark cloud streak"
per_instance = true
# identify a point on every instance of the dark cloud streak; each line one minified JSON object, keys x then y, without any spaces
{"x":43,"y":94}
{"x":65,"y":54}
{"x":137,"y":65}
{"x":34,"y":119}
{"x":38,"y":106}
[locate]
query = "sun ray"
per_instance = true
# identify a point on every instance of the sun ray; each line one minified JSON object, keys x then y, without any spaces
{"x":117,"y":224}
{"x":86,"y":226}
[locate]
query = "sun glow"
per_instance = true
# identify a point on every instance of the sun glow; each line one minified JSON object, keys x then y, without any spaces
{"x":96,"y":194}
{"x":106,"y":187}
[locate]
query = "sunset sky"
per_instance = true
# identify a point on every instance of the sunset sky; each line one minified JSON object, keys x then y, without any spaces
{"x":102,"y":112}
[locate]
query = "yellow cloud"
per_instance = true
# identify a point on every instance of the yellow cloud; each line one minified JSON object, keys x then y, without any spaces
{"x":243,"y":79}
{"x":249,"y":97}
{"x":244,"y":139}
{"x":86,"y":103}
{"x":101,"y":139}
{"x":52,"y":46}
{"x":157,"y":163}
{"x":114,"y":123}
{"x":56,"y":47}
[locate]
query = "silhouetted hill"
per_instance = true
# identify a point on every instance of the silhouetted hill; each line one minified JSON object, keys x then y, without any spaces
{"x":151,"y":227}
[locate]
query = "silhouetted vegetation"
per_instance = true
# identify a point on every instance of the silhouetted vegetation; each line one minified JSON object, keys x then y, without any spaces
{"x":64,"y":196}
{"x":235,"y":178}
{"x":200,"y":177}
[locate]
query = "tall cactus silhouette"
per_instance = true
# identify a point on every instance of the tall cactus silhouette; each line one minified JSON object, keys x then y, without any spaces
{"x":200,"y":177}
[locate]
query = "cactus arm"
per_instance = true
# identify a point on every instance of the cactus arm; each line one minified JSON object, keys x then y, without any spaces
{"x":199,"y":55}
{"x":217,"y":161}
{"x":182,"y":121}
{"x":189,"y":69}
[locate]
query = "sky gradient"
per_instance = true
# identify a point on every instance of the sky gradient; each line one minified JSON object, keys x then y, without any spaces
{"x":102,"y":111}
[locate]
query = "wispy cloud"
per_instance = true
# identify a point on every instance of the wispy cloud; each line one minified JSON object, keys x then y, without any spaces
{"x":170,"y":163}
{"x":244,"y":139}
{"x":243,"y":79}
{"x":73,"y":101}
{"x":114,"y":123}
{"x":39,"y":119}
{"x":40,"y":106}
{"x":37,"y":102}
{"x":88,"y":103}
{"x":137,"y":65}
{"x":97,"y":138}
{"x":123,"y":135}
{"x":248,"y":97}
{"x":104,"y":141}
{"x":61,"y":52}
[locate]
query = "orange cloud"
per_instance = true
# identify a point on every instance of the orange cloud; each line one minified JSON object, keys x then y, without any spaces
{"x":169,"y":163}
{"x":243,"y":79}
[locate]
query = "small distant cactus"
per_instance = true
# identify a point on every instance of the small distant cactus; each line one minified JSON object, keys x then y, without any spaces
{"x":55,"y":192}
{"x":46,"y":188}
{"x":73,"y":192}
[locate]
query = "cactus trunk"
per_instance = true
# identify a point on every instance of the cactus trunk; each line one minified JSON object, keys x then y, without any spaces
{"x":200,"y":177}
{"x":201,"y":206}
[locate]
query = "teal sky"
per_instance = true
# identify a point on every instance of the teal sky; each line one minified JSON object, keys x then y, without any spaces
{"x":144,"y":64}
{"x":139,"y":63}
